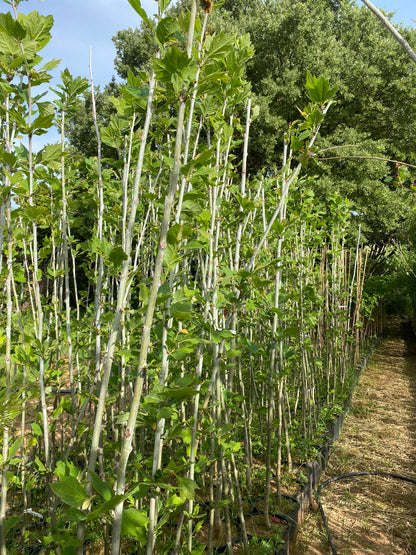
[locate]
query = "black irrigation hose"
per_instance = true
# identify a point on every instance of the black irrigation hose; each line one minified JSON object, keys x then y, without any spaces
{"x":352,"y":475}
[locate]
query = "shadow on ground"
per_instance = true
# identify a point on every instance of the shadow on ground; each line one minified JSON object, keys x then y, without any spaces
{"x":374,"y":514}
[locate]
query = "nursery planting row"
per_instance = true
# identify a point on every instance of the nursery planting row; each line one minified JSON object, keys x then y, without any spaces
{"x":176,"y":334}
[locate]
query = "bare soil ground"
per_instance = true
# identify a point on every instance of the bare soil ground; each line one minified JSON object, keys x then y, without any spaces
{"x":373,"y":514}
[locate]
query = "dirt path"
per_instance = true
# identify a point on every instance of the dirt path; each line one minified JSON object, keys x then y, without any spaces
{"x":374,"y":514}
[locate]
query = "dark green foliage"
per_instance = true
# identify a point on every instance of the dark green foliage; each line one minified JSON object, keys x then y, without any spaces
{"x":376,"y":104}
{"x":134,"y":49}
{"x":376,"y":96}
{"x":186,"y":305}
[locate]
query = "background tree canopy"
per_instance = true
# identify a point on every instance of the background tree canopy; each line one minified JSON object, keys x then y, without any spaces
{"x":375,"y":110}
{"x":179,"y":305}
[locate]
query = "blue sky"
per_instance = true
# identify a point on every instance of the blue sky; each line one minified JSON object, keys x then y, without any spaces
{"x":405,"y":9}
{"x":81,"y":23}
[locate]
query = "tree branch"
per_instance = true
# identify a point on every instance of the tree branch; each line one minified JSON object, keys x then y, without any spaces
{"x":323,"y":158}
{"x":403,"y":43}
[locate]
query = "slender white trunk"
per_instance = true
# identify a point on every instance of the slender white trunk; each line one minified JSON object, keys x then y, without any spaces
{"x":403,"y":43}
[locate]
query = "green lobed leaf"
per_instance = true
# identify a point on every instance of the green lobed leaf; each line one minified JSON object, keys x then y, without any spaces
{"x":50,"y":155}
{"x":174,"y":501}
{"x":245,"y":203}
{"x":38,"y":28}
{"x":139,"y":491}
{"x":70,"y":491}
{"x":175,"y":67}
{"x":102,"y":248}
{"x":14,"y":448}
{"x":7,"y":158}
{"x":40,"y":465}
{"x":117,"y":256}
{"x":166,"y":29}
{"x":144,"y":293}
{"x":134,"y":523}
{"x":105,"y":507}
{"x":46,"y":108}
{"x":16,"y":116}
{"x":75,"y":515}
{"x":12,"y":27}
{"x":304,"y":159}
{"x":192,"y":204}
{"x":137,"y":7}
{"x":170,"y":257}
{"x":41,"y":124}
{"x":296,"y":143}
{"x":100,"y":487}
{"x":304,"y":135}
{"x":219,"y":335}
{"x":52,"y":64}
{"x":36,"y":429}
{"x":164,"y":4}
{"x":181,"y":310}
{"x":9,"y":46}
{"x":181,"y":353}
{"x":210,"y":84}
{"x":11,"y":522}
{"x":319,"y":89}
{"x":186,"y":435}
{"x":217,"y":47}
{"x":315,"y":118}
{"x":187,"y":487}
{"x":140,"y":93}
{"x":122,"y":418}
{"x":66,"y":468}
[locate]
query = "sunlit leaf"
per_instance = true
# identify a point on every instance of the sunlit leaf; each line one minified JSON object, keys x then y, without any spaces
{"x":218,"y":46}
{"x":166,"y":29}
{"x":134,"y":523}
{"x":101,"y":487}
{"x":187,"y":487}
{"x":117,"y":256}
{"x":319,"y":89}
{"x":137,"y":7}
{"x":181,"y":310}
{"x":70,"y":491}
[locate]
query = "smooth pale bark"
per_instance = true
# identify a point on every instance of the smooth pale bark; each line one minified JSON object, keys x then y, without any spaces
{"x":125,"y":277}
{"x":145,"y":341}
{"x":135,"y":404}
{"x":8,"y":376}
{"x":3,"y":504}
{"x":3,"y":202}
{"x":403,"y":43}
{"x":242,"y":186}
{"x":190,"y":116}
{"x":164,"y":371}
{"x":66,"y":267}
{"x":100,"y":223}
{"x":285,"y":190}
{"x":5,"y":224}
{"x":273,"y":367}
{"x":38,"y":324}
